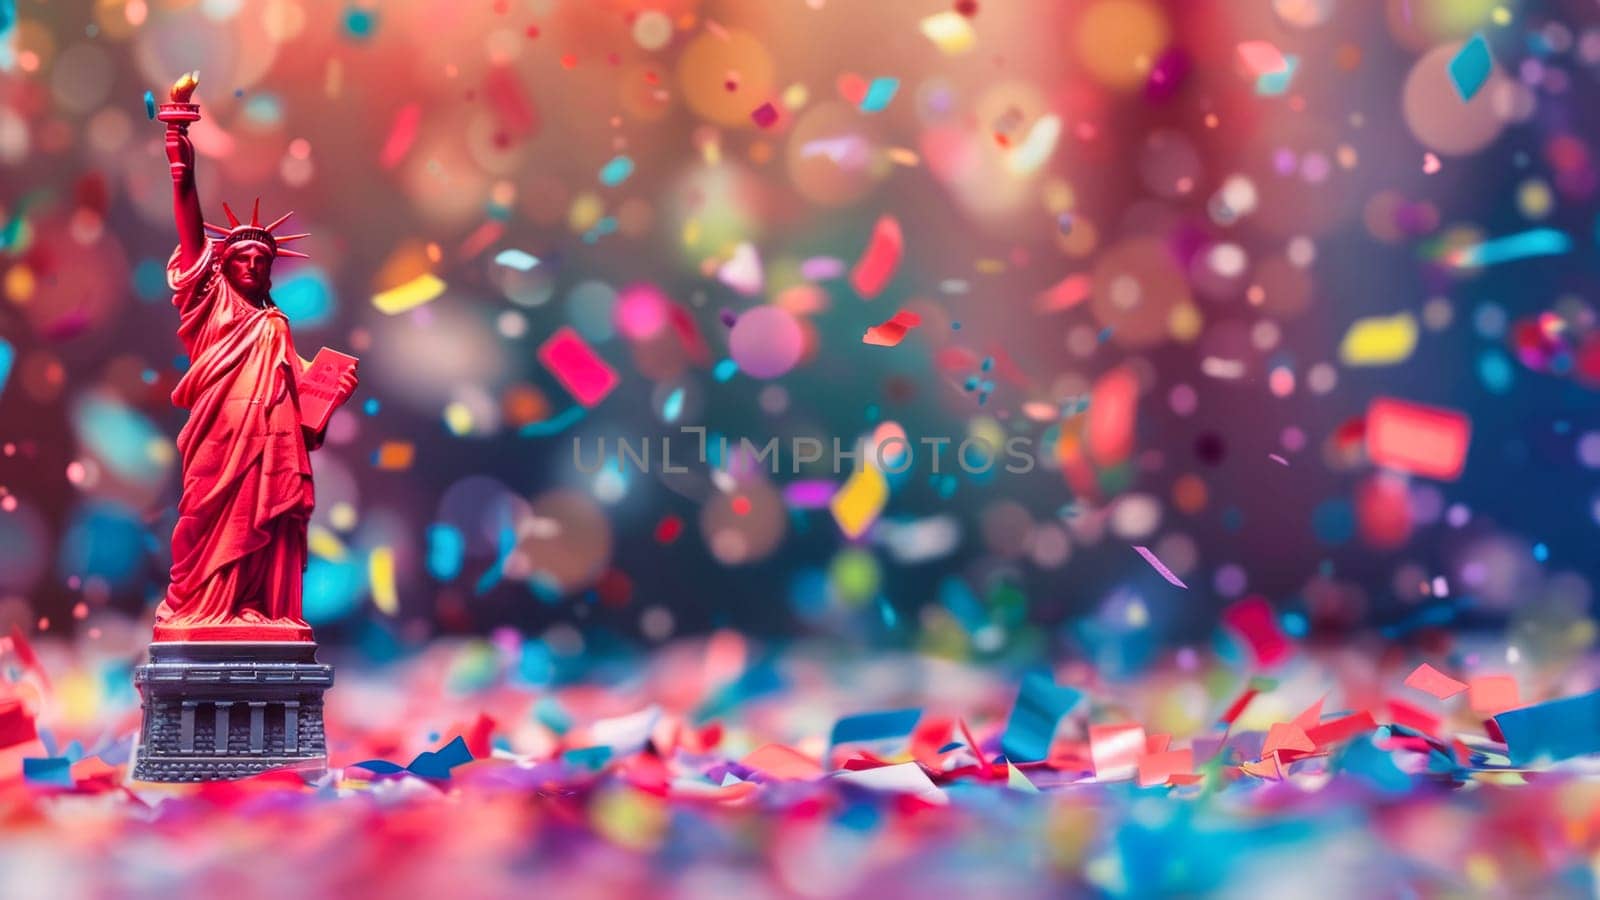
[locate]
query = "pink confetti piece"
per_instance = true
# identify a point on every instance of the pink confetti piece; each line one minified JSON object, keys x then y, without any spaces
{"x":1261,"y":58}
{"x":1277,"y":459}
{"x":1115,"y":750}
{"x":402,"y":134}
{"x":1432,"y":681}
{"x":765,"y":115}
{"x":579,"y":369}
{"x":1065,"y":294}
{"x":880,"y":260}
{"x":1252,"y":619}
{"x":1160,"y":567}
{"x":1492,"y":694}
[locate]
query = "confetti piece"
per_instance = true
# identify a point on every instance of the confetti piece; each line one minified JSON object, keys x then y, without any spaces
{"x":1065,"y":294}
{"x":1160,"y":567}
{"x":778,"y":761}
{"x":394,"y":456}
{"x":16,"y":726}
{"x":1253,"y":620}
{"x":1422,"y":440}
{"x":1277,"y":459}
{"x":880,"y":260}
{"x":516,"y":259}
{"x":579,"y":369}
{"x":1432,"y":681}
{"x":1471,"y":67}
{"x":903,"y":778}
{"x":879,"y":94}
{"x":555,"y":424}
{"x":1260,"y":58}
{"x":1492,"y":694}
{"x":1040,"y":705}
{"x":150,"y":106}
{"x":1430,"y":164}
{"x":1537,"y":242}
{"x":892,"y":332}
{"x":1115,"y":750}
{"x":408,"y":296}
{"x":1112,"y":411}
{"x":950,"y":32}
{"x":857,"y":505}
{"x":765,"y":115}
{"x":743,"y":271}
{"x":380,"y":573}
{"x":1552,"y":731}
{"x":52,"y":771}
{"x":1379,"y":340}
{"x":402,"y":134}
{"x":1158,"y":768}
{"x":8,"y":355}
{"x":1036,"y":149}
{"x":874,"y":727}
{"x":1273,"y":84}
{"x":616,"y":171}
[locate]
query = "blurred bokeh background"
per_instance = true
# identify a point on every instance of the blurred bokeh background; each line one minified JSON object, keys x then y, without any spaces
{"x":1182,"y":247}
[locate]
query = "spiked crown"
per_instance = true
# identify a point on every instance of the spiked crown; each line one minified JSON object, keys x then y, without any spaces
{"x":237,"y":233}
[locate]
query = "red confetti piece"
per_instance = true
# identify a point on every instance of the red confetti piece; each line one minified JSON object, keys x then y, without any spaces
{"x":1253,"y":621}
{"x":882,"y":257}
{"x":892,"y":332}
{"x":1159,"y":768}
{"x":1341,"y":729}
{"x":853,"y":88}
{"x":1423,"y":440}
{"x":16,"y":726}
{"x":1432,"y":681}
{"x":1111,"y":417}
{"x":1116,"y":749}
{"x":579,"y":369}
{"x":1412,"y":716}
{"x":668,"y":529}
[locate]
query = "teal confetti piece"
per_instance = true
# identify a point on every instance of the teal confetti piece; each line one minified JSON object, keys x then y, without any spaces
{"x":1470,"y":67}
{"x":54,"y":771}
{"x":879,"y":94}
{"x":150,"y":105}
{"x":1040,"y":705}
{"x":1273,"y":84}
{"x":616,"y":171}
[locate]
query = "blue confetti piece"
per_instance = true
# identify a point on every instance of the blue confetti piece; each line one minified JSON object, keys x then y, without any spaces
{"x":513,"y":258}
{"x":1537,"y":242}
{"x":1470,"y":67}
{"x":438,"y":763}
{"x":724,"y":370}
{"x":150,"y":106}
{"x":878,"y":726}
{"x":1547,"y":732}
{"x":447,"y":548}
{"x":879,"y":94}
{"x":55,"y":770}
{"x":8,"y":355}
{"x":1040,"y":705}
{"x":616,"y":171}
{"x":1364,"y":760}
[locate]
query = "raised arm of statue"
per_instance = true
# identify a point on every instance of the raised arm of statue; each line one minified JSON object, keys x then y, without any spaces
{"x":180,"y":156}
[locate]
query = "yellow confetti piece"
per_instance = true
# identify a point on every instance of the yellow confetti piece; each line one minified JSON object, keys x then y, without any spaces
{"x":1379,"y":341}
{"x":324,"y":544}
{"x":989,"y":265}
{"x":900,"y":156}
{"x":857,"y":505}
{"x":380,"y":572}
{"x":950,"y":32}
{"x":394,"y":456}
{"x":408,"y":296}
{"x":458,"y":418}
{"x":1035,"y":149}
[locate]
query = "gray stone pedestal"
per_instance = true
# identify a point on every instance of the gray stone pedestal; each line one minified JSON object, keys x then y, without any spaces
{"x":215,"y":710}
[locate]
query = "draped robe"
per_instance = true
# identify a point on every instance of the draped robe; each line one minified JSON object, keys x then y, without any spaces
{"x":239,"y":547}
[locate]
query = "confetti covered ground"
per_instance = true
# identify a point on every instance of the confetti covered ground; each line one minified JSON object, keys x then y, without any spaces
{"x":825,"y":448}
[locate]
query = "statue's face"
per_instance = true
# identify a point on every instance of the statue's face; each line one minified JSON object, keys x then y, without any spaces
{"x":249,"y":270}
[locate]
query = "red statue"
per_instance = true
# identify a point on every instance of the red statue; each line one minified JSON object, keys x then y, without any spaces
{"x":239,"y":548}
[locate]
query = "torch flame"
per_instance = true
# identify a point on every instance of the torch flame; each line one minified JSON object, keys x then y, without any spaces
{"x":183,"y":87}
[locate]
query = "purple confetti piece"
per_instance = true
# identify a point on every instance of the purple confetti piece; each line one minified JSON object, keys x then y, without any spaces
{"x":1160,"y":566}
{"x":1277,"y":459}
{"x":821,"y":268}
